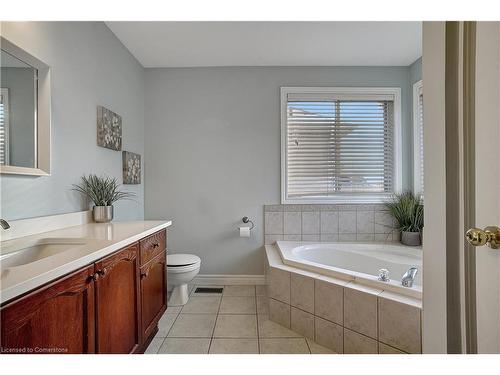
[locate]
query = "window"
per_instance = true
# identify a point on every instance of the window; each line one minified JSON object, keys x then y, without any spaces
{"x":340,"y":145}
{"x":418,"y":138}
{"x":4,"y":126}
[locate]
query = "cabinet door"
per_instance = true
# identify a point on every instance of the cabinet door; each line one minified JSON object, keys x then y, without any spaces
{"x":117,"y":302}
{"x":57,"y":318}
{"x":153,"y":293}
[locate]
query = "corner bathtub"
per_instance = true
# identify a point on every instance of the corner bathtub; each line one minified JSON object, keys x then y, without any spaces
{"x":358,"y":262}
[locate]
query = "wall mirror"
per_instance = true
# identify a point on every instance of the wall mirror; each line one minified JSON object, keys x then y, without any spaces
{"x":24,"y":112}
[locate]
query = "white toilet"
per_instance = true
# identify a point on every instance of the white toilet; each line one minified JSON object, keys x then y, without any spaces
{"x":181,"y":270}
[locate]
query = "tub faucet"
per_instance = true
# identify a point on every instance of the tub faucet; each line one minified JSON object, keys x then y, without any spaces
{"x":4,"y":224}
{"x":409,"y":277}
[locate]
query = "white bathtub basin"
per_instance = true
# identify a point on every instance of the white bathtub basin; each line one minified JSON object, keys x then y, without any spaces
{"x":357,"y":261}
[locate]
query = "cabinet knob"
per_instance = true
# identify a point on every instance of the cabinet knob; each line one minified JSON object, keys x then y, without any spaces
{"x":155,"y":245}
{"x":102,"y":272}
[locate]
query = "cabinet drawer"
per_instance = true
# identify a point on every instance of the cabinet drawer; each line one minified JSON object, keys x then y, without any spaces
{"x":152,"y":245}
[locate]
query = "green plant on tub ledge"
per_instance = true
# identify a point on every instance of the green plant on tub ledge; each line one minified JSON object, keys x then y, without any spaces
{"x":408,"y":211}
{"x":103,"y":192}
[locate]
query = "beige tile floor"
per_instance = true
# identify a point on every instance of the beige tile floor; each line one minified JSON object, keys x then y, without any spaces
{"x":236,"y":322}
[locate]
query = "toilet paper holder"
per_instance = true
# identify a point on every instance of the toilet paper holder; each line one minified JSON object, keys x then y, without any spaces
{"x":247,"y":220}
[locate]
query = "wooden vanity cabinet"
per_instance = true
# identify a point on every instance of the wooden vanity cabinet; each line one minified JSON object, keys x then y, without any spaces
{"x":110,"y":306}
{"x":57,"y":318}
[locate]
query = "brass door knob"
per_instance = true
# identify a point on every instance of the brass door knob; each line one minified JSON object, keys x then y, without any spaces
{"x":489,"y":236}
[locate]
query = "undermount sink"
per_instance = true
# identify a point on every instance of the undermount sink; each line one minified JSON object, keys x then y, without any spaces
{"x":41,"y":249}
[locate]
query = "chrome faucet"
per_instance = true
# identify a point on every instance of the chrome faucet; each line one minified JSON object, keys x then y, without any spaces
{"x":4,"y":224}
{"x":409,"y":277}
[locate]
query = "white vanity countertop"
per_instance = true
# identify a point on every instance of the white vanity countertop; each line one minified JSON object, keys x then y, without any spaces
{"x":97,"y":241}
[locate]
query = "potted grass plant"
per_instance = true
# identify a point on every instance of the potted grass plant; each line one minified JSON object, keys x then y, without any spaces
{"x":408,"y":211}
{"x":103,"y":192}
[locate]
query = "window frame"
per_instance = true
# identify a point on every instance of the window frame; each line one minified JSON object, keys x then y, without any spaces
{"x":355,"y":93}
{"x":418,"y":88}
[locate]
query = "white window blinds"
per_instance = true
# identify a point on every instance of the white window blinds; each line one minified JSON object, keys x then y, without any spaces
{"x":4,"y":127}
{"x":418,"y":144}
{"x":421,"y":138}
{"x":339,"y":145}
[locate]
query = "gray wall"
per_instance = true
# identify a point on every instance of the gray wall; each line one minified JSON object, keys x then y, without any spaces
{"x":89,"y":67}
{"x":212,"y":150}
{"x":20,"y":82}
{"x":416,"y":71}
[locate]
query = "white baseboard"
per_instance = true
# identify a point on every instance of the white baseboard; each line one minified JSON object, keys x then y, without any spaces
{"x":229,"y":280}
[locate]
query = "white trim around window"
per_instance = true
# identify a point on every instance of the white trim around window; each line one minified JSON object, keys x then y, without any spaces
{"x":418,"y":163}
{"x":392,"y":94}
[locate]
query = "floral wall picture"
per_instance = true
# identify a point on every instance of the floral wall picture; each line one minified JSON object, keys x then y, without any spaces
{"x":109,"y":129}
{"x":131,"y":168}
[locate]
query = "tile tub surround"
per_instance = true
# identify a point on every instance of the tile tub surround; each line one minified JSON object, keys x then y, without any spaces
{"x":202,"y":326}
{"x":341,"y":315}
{"x":328,"y":223}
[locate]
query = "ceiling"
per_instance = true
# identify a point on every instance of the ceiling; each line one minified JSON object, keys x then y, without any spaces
{"x":194,"y":44}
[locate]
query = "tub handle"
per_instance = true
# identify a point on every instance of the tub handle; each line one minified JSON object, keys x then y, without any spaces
{"x":383,"y":275}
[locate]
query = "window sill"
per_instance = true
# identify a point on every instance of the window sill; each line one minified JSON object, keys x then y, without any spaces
{"x":344,"y":199}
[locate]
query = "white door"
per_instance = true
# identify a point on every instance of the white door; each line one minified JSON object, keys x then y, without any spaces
{"x":487,"y":182}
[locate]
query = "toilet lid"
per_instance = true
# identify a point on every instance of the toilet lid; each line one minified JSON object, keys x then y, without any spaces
{"x":177,"y":260}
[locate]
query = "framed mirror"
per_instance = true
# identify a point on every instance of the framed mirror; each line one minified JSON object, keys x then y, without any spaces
{"x":24,"y":112}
